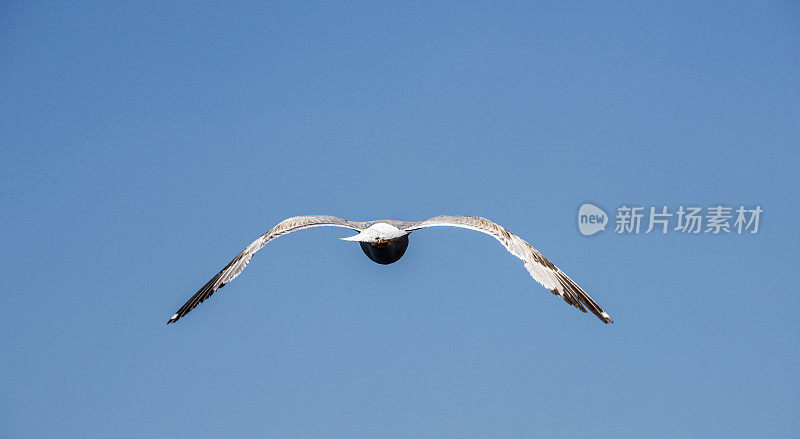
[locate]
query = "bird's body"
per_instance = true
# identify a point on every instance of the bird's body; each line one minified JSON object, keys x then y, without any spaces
{"x":385,"y":242}
{"x":382,"y":242}
{"x":386,"y":252}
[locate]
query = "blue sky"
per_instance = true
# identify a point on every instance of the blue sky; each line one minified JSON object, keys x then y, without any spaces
{"x":143,"y":145}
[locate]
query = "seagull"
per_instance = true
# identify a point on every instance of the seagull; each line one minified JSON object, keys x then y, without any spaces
{"x":385,"y":242}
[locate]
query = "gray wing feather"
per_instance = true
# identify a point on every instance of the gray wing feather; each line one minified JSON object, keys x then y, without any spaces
{"x":236,"y":266}
{"x":542,"y":270}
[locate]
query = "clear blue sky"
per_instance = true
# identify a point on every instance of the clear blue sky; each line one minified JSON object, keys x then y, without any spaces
{"x":142,"y":146}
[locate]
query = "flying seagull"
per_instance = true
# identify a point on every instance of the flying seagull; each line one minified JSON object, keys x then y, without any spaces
{"x":385,"y":242}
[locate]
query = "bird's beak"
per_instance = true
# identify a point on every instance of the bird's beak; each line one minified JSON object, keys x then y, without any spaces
{"x":356,"y":237}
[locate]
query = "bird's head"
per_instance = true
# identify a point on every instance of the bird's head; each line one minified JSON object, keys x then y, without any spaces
{"x":378,"y":233}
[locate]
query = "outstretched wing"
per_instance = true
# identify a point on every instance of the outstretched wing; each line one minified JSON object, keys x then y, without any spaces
{"x":542,"y":270}
{"x":235,"y":267}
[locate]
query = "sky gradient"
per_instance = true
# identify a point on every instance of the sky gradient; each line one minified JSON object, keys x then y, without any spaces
{"x":142,"y":146}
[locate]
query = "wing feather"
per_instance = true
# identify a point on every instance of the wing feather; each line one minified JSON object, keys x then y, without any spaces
{"x":541,"y":269}
{"x":236,"y":266}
